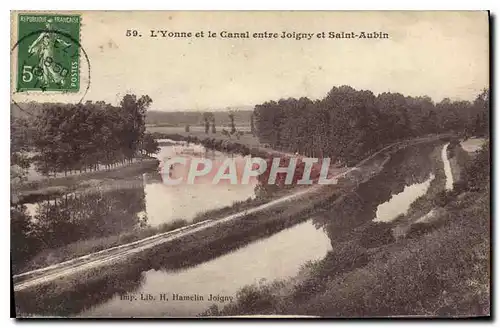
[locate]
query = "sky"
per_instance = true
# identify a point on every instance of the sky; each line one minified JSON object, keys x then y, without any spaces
{"x":439,"y":54}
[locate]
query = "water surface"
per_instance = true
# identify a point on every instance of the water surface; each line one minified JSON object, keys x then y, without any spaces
{"x":165,"y":203}
{"x":400,"y":203}
{"x":276,"y":257}
{"x":243,"y":260}
{"x":447,"y":168}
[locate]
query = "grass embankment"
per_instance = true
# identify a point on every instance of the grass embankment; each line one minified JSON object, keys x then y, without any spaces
{"x":98,"y":285}
{"x":443,"y":272}
{"x":424,"y":204}
{"x":440,"y":270}
{"x":84,"y":247}
{"x":87,"y":246}
{"x":53,"y":297}
{"x":39,"y":190}
{"x":459,"y":158}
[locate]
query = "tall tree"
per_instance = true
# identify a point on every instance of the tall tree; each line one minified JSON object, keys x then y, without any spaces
{"x":207,"y":118}
{"x":252,"y":126}
{"x":150,"y":145}
{"x":214,"y":130}
{"x":19,"y":146}
{"x":233,"y":127}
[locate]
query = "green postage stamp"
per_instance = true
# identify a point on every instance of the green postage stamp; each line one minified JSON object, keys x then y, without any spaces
{"x":48,"y":52}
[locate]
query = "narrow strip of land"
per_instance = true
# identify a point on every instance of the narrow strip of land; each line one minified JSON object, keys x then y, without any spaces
{"x":114,"y":254}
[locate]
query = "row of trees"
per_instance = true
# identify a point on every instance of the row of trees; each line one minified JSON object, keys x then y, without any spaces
{"x":69,"y":137}
{"x":19,"y":147}
{"x":347,"y":124}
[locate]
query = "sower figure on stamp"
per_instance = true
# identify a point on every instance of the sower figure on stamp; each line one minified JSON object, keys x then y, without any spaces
{"x":43,"y":47}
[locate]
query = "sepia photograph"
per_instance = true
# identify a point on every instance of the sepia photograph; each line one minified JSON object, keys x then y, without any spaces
{"x":250,"y":164}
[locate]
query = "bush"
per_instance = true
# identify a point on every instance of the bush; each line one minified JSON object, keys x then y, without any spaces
{"x":420,"y":228}
{"x":443,"y":198}
{"x":376,"y":234}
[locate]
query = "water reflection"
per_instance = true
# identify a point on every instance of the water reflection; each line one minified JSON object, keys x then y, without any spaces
{"x":447,"y":167}
{"x":472,"y":144}
{"x":220,"y":268}
{"x":400,"y":203}
{"x":166,"y":203}
{"x":146,"y":198}
{"x":408,"y":167}
{"x":91,"y":214}
{"x":278,"y":256}
{"x":226,"y":264}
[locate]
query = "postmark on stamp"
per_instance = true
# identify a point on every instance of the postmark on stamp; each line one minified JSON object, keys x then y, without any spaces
{"x":48,"y":56}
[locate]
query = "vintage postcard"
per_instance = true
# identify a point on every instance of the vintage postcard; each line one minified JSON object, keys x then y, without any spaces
{"x":250,"y":164}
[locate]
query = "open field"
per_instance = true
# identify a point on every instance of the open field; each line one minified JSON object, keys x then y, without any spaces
{"x":197,"y":131}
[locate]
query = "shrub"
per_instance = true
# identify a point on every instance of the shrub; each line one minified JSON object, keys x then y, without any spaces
{"x":376,"y":234}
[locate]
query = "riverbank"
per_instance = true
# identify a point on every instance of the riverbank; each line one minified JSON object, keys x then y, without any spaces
{"x":365,"y":170}
{"x":186,"y":251}
{"x":111,"y":180}
{"x":440,"y":270}
{"x":85,"y":247}
{"x":42,"y":190}
{"x":425,"y":206}
{"x":221,"y":237}
{"x":243,"y":146}
{"x":220,"y":144}
{"x":444,"y":272}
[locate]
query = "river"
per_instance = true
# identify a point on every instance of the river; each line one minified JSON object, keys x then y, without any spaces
{"x":158,"y":202}
{"x":165,"y":203}
{"x":405,"y":177}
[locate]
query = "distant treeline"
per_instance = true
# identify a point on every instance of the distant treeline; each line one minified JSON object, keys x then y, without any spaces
{"x":68,"y":137}
{"x":221,"y":118}
{"x":347,"y":124}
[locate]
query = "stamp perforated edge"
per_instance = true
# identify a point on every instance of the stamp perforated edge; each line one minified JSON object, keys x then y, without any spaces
{"x":14,"y":18}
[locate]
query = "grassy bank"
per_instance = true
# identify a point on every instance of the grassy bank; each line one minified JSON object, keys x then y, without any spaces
{"x":54,"y":297}
{"x":87,"y":246}
{"x":190,"y":250}
{"x":427,"y":202}
{"x":34,"y":191}
{"x":458,"y":159}
{"x":441,"y":270}
{"x":83,"y":247}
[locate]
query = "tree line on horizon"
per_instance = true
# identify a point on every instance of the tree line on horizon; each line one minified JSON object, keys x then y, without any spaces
{"x":197,"y":118}
{"x":347,"y":124}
